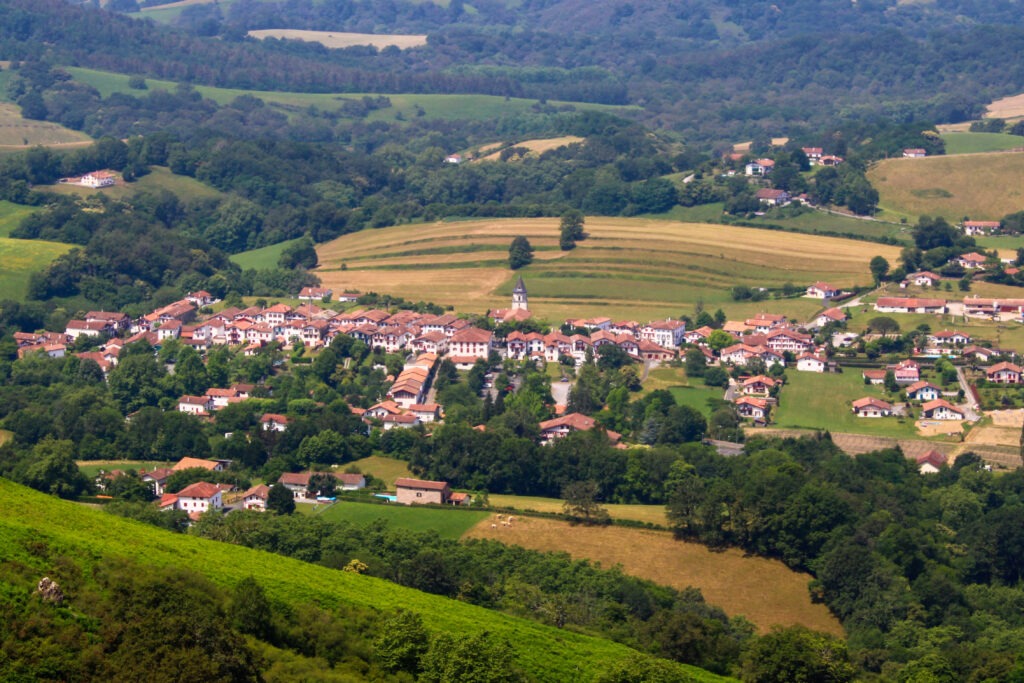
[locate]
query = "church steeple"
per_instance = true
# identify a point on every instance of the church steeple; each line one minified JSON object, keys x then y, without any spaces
{"x":519,"y":301}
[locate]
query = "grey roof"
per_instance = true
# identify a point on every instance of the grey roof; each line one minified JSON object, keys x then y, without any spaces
{"x":520,"y":286}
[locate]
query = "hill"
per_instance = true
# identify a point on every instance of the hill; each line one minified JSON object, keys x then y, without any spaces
{"x":21,"y":258}
{"x":18,"y":133}
{"x":90,"y":539}
{"x":959,"y":142}
{"x":982,"y":186}
{"x":635,"y":268}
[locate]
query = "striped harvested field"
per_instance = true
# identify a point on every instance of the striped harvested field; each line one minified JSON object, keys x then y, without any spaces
{"x":764,"y":591}
{"x":339,"y":39}
{"x":1006,"y":108}
{"x":536,"y":147}
{"x":18,"y":133}
{"x":626,"y":267}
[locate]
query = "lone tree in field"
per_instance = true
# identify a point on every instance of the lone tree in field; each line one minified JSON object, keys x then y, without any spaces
{"x":879,"y":269}
{"x":581,"y":502}
{"x":520,"y":253}
{"x":572,"y":229}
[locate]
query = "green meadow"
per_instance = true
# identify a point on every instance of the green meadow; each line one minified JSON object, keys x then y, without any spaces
{"x":448,"y":523}
{"x":263,"y":258}
{"x":88,"y":539}
{"x":973,"y":143}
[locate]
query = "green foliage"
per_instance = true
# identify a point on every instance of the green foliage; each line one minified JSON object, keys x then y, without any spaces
{"x":520,"y":253}
{"x":797,"y":654}
{"x":280,"y":500}
{"x":403,"y":643}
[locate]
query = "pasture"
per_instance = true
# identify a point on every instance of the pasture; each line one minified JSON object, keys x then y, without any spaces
{"x":338,"y":39}
{"x":408,"y":106}
{"x":383,"y":468}
{"x":982,"y":186}
{"x":18,"y":133}
{"x":263,"y":258}
{"x":159,"y":178}
{"x":1006,"y":108}
{"x":448,"y":523}
{"x":20,"y":258}
{"x":764,"y":591}
{"x":11,"y":216}
{"x":648,"y":514}
{"x":626,"y":268}
{"x":973,"y":143}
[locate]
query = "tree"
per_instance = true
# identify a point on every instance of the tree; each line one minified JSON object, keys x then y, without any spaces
{"x":571,"y":229}
{"x":716,"y":377}
{"x":51,"y":469}
{"x":884,"y":325}
{"x":281,"y":500}
{"x":300,"y":254}
{"x":251,"y":610}
{"x":797,"y":654}
{"x":696,"y":363}
{"x":719,"y":339}
{"x":879,"y":268}
{"x":520,"y":253}
{"x":581,"y":502}
{"x":322,"y":484}
{"x":402,"y":643}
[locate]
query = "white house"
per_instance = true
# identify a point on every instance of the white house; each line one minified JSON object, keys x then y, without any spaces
{"x":199,"y":497}
{"x":808,"y":362}
{"x":1004,"y":373}
{"x":273,"y":422}
{"x":940,"y":409}
{"x":98,"y":179}
{"x":471,"y":341}
{"x":872,"y":407}
{"x":931,"y":462}
{"x":972,"y":228}
{"x":761,"y":167}
{"x":823,"y":290}
{"x":923,"y":391}
{"x":256,"y":498}
{"x":195,"y":405}
{"x":915,"y":153}
{"x":668,"y":334}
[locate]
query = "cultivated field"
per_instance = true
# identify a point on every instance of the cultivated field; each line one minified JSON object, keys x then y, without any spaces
{"x":445,"y":107}
{"x":536,"y":147}
{"x":764,"y":591}
{"x":17,"y":133}
{"x":1006,"y":108}
{"x":447,"y":523}
{"x":633,"y":268}
{"x":20,"y":258}
{"x":335,"y":39}
{"x":972,"y":143}
{"x":982,"y":186}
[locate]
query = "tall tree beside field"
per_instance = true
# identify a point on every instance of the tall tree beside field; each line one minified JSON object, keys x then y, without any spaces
{"x":879,"y":269}
{"x":281,"y":500}
{"x":520,"y":253}
{"x":571,"y":229}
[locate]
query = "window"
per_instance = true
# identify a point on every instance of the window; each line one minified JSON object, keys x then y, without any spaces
{"x":419,"y":494}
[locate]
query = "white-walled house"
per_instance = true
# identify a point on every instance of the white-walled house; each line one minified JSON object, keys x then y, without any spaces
{"x":808,"y":362}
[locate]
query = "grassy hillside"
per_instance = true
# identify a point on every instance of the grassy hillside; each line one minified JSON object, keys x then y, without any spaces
{"x":159,"y":178}
{"x":633,"y":268}
{"x":982,"y":186}
{"x":448,"y":107}
{"x":262,"y":258}
{"x":971,"y":143}
{"x":11,"y":216}
{"x":20,"y":258}
{"x":17,"y":133}
{"x":447,"y":523}
{"x":92,"y":538}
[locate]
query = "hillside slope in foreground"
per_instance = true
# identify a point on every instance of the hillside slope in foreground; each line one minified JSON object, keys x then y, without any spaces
{"x":92,"y":537}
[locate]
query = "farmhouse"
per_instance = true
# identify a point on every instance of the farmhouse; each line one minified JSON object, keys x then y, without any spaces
{"x":906,"y":371}
{"x":1004,"y":373}
{"x":759,"y":385}
{"x":772,"y":197}
{"x":823,"y":290}
{"x":195,"y":405}
{"x":813,"y":154}
{"x":972,"y":228}
{"x":199,"y":497}
{"x":931,"y":462}
{"x":924,"y":278}
{"x":949,"y":338}
{"x":193,"y":463}
{"x":560,"y":427}
{"x":761,"y":167}
{"x":157,"y":478}
{"x":314,"y":294}
{"x":471,"y":341}
{"x":272,"y":422}
{"x":871,"y":407}
{"x":98,"y":179}
{"x":830,"y":315}
{"x":667,"y":334}
{"x":971,"y":261}
{"x":977,"y":306}
{"x":256,"y":498}
{"x":94,"y":328}
{"x":831,"y":160}
{"x":940,"y":409}
{"x":896,"y":304}
{"x":808,"y":362}
{"x":915,"y":153}
{"x":923,"y":391}
{"x":752,"y":408}
{"x":421,"y":492}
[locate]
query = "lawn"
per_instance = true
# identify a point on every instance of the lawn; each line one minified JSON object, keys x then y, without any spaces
{"x":385,"y":469}
{"x":764,"y":591}
{"x":90,"y":539}
{"x":972,"y":143}
{"x":697,"y":397}
{"x":264,"y":258}
{"x":91,"y":468}
{"x":11,"y":216}
{"x":20,"y":258}
{"x":450,"y":523}
{"x":628,"y":268}
{"x":982,"y":186}
{"x":446,"y":107}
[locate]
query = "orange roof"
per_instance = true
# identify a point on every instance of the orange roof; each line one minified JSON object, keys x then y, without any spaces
{"x":200,"y":489}
{"x":190,"y":463}
{"x":407,"y":483}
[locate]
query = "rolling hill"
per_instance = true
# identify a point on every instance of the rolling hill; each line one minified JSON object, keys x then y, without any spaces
{"x":88,"y":539}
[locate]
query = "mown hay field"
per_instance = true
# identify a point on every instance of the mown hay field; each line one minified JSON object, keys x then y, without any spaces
{"x":536,"y":147}
{"x":648,"y":514}
{"x":982,"y":186}
{"x":1006,"y":108}
{"x":764,"y":591}
{"x":18,"y":133}
{"x":338,"y":39}
{"x":626,"y":268}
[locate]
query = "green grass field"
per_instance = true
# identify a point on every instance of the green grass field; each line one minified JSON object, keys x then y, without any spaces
{"x":91,"y":469}
{"x":817,"y":222}
{"x":652,"y":514}
{"x":447,"y":107}
{"x":20,"y":258}
{"x":263,"y":258}
{"x":982,"y":186}
{"x":636,"y":269}
{"x":11,"y":216}
{"x":18,"y":133}
{"x":93,"y":537}
{"x":972,"y":143}
{"x":385,"y":469}
{"x":159,"y":178}
{"x":448,"y":523}
{"x":822,"y":401}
